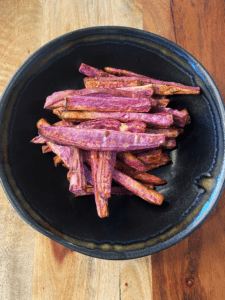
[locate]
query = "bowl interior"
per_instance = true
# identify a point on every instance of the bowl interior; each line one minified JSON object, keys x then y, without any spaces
{"x":41,"y":190}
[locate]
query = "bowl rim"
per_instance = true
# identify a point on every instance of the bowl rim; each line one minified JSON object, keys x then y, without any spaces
{"x":116,"y":254}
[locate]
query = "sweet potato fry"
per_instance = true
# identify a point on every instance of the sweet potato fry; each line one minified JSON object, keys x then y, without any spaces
{"x":162,"y":102}
{"x":139,"y":189}
{"x":112,"y":83}
{"x":106,"y":165}
{"x":121,"y":166}
{"x":116,"y":190}
{"x":147,"y":90}
{"x":149,"y":178}
{"x":131,"y":160}
{"x":62,"y":151}
{"x":150,"y":157}
{"x":87,"y":173}
{"x":98,"y":139}
{"x":45,"y":149}
{"x":181,"y":118}
{"x":121,"y":72}
{"x":160,"y":87}
{"x":89,"y":191}
{"x":133,"y":126}
{"x":101,"y":124}
{"x":171,"y":88}
{"x":170,"y":143}
{"x":38,"y":140}
{"x":57,"y":160}
{"x":112,"y":103}
{"x":169,"y":132}
{"x":93,"y":72}
{"x":149,"y":185}
{"x":164,"y":159}
{"x":101,"y":203}
{"x":77,"y":175}
{"x":58,"y":111}
{"x":57,"y":97}
{"x":141,"y":176}
{"x":160,"y":120}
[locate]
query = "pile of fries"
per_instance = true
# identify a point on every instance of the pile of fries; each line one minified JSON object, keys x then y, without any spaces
{"x":115,"y":129}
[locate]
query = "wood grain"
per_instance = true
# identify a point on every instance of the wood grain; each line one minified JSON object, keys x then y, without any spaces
{"x":19,"y":37}
{"x":193,"y":269}
{"x":60,"y":17}
{"x":34,"y":267}
{"x":158,"y":18}
{"x":60,"y":273}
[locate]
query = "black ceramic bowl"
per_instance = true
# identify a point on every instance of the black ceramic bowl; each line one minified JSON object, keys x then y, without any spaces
{"x":39,"y":192}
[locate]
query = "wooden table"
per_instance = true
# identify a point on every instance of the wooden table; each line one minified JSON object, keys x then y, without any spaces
{"x":34,"y":267}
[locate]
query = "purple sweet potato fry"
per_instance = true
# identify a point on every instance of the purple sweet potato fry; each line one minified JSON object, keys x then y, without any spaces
{"x":172,"y":88}
{"x":170,"y":143}
{"x":108,"y":82}
{"x":133,"y":126}
{"x":149,"y":185}
{"x":112,"y":103}
{"x":160,"y":87}
{"x":131,"y":160}
{"x":62,"y":151}
{"x":45,"y":149}
{"x":98,"y":139}
{"x":38,"y":140}
{"x":101,"y":124}
{"x":115,"y":190}
{"x":169,"y":132}
{"x":106,"y":165}
{"x":89,"y":191}
{"x":149,"y":178}
{"x":57,"y":160}
{"x":162,"y":102}
{"x":87,"y":173}
{"x":147,"y":90}
{"x":150,"y":157}
{"x":121,"y":72}
{"x":137,"y":188}
{"x":93,"y":72}
{"x":165,"y":159}
{"x":101,"y":203}
{"x":57,"y":97}
{"x":181,"y":118}
{"x":77,"y":175}
{"x":58,"y":111}
{"x":160,"y":120}
{"x":121,"y":166}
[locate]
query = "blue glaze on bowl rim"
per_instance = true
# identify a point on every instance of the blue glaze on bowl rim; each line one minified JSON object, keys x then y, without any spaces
{"x":184,"y":226}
